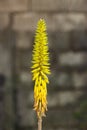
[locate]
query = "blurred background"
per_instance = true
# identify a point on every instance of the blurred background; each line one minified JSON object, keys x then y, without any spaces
{"x":67,"y":92}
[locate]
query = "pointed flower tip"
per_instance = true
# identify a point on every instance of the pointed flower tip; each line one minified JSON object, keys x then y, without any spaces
{"x":41,"y":25}
{"x":41,"y":19}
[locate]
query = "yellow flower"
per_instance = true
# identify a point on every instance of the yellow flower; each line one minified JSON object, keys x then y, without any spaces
{"x":40,"y":68}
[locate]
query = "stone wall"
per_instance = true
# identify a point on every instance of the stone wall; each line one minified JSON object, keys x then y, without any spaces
{"x":67,"y":31}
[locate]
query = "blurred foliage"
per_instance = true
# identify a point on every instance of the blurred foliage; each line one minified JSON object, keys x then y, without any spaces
{"x":81,"y":115}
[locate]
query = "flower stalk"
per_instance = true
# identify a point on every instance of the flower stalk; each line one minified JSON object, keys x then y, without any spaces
{"x":40,"y":70}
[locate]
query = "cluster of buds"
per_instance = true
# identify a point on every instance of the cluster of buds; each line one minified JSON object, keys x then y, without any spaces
{"x":40,"y":68}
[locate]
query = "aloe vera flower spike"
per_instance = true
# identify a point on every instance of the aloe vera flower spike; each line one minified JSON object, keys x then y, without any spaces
{"x":40,"y":68}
